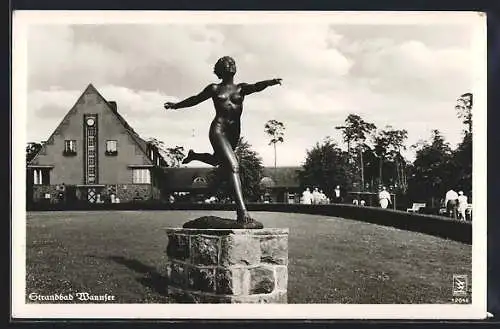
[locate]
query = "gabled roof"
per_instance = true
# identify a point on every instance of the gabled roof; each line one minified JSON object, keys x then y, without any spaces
{"x":141,"y":143}
{"x":138,"y":140}
{"x":283,"y":176}
{"x":182,"y":178}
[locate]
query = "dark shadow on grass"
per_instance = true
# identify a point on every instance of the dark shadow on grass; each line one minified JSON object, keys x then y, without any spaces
{"x":151,"y":279}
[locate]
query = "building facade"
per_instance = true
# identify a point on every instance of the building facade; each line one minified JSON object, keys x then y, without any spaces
{"x":281,"y":184}
{"x":94,"y":156}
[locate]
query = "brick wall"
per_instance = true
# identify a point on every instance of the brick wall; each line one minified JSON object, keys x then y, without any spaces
{"x":125,"y":192}
{"x":39,"y":192}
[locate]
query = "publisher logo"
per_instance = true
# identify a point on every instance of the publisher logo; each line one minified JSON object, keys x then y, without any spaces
{"x":459,"y":285}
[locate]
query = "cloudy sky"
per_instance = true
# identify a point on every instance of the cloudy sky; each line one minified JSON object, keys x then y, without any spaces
{"x":407,"y":76}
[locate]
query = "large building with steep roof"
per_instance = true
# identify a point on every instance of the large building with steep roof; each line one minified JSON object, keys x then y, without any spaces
{"x":94,"y":155}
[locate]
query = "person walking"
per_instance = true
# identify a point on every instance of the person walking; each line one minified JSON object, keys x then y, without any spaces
{"x":61,"y":196}
{"x":462,"y":205}
{"x":322,"y":197}
{"x":451,"y":202}
{"x":316,"y":196}
{"x":384,"y":198}
{"x":306,"y":196}
{"x":337,"y":194}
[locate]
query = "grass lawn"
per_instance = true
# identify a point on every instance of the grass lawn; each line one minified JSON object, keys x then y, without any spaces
{"x":332,"y":260}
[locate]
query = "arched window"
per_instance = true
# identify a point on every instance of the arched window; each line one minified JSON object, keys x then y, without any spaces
{"x":199,"y":180}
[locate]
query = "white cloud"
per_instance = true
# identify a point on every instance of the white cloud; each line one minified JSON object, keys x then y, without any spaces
{"x":293,"y":52}
{"x":413,"y":68}
{"x":409,"y":83}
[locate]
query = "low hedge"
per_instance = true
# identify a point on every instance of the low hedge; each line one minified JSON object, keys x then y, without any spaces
{"x":429,"y":224}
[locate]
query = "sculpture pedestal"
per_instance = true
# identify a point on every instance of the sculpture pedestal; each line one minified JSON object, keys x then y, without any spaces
{"x":227,"y":265}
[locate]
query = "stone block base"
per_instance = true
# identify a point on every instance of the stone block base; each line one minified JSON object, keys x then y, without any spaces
{"x":195,"y":297}
{"x":227,"y":265}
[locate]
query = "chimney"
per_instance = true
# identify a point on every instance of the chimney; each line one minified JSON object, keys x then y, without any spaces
{"x":113,"y":106}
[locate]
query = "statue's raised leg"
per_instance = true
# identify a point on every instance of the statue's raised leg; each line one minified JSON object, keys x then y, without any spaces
{"x":202,"y":157}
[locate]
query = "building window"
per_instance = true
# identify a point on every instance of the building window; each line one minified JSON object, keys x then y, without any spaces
{"x":141,"y":176}
{"x":200,"y":180}
{"x":69,"y":147}
{"x":41,"y":177}
{"x":111,"y":147}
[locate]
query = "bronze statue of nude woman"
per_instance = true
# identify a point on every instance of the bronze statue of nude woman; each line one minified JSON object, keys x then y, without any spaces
{"x":225,"y":129}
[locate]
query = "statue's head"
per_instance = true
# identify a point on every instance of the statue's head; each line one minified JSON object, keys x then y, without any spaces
{"x":225,"y":67}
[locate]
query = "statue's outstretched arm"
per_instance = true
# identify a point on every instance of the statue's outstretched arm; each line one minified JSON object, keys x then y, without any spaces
{"x":248,"y":89}
{"x":193,"y":100}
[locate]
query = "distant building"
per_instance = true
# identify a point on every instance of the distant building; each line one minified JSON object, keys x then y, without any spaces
{"x":191,"y":184}
{"x":94,"y":156}
{"x":284,"y":183}
{"x":187,"y":184}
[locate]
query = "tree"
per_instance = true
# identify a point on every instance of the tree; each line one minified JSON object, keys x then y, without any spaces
{"x":396,"y":143}
{"x":172,"y":155}
{"x":381,"y":150}
{"x":371,"y":164}
{"x":326,"y":166}
{"x":275,"y":130}
{"x":251,"y":172}
{"x":462,"y":156}
{"x":432,"y":170}
{"x":438,"y":168}
{"x":464,"y":110}
{"x":356,"y":130}
{"x":388,"y":146}
{"x":32,"y":149}
{"x":462,"y":161}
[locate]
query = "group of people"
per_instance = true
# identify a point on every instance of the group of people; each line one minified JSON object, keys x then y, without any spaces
{"x":384,"y":199}
{"x":315,"y":197}
{"x":456,"y":204}
{"x":357,"y":202}
{"x":109,"y":198}
{"x":318,"y":197}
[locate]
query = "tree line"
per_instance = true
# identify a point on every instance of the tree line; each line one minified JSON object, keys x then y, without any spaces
{"x":374,"y":158}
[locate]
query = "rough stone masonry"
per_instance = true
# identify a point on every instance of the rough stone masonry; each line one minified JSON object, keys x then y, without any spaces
{"x":227,"y":265}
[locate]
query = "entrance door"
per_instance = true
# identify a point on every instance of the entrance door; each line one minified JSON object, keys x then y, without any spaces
{"x":70,"y":194}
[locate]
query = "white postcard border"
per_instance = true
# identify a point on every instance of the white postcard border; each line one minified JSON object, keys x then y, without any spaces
{"x":476,"y":310}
